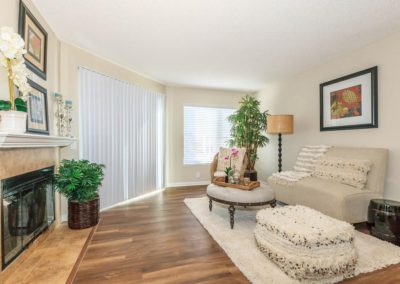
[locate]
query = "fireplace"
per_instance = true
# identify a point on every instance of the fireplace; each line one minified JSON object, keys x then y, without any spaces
{"x":27,"y":210}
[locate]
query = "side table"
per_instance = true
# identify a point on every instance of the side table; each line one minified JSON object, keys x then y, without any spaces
{"x":384,"y":219}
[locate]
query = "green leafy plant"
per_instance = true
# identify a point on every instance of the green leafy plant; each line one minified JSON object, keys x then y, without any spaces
{"x":248,"y":128}
{"x":79,"y":180}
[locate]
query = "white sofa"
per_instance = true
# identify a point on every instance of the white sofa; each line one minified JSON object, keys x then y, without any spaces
{"x":338,"y":200}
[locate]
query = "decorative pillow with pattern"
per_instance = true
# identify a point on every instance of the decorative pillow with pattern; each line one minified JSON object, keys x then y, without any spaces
{"x":352,"y":172}
{"x":237,"y":160}
{"x":308,"y":157}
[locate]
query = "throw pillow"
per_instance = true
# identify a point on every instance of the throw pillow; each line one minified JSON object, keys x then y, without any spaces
{"x":308,"y":157}
{"x":237,"y":160}
{"x":352,"y":172}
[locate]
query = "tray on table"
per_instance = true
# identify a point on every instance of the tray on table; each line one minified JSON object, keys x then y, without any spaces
{"x":221,"y":182}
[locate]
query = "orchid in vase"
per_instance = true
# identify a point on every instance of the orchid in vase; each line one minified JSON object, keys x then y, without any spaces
{"x":228,"y":170}
{"x":12,"y":59}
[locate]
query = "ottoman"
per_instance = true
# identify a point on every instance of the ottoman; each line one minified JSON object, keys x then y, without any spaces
{"x":306,"y":244}
{"x":259,"y":196}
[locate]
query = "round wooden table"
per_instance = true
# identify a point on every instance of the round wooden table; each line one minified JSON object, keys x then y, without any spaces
{"x":259,"y":196}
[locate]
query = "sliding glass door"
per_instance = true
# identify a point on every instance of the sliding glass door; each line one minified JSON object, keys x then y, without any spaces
{"x":122,"y":127}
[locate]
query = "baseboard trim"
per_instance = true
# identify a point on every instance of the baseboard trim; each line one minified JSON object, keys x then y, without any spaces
{"x":133,"y":199}
{"x":64,"y":218}
{"x":188,"y":183}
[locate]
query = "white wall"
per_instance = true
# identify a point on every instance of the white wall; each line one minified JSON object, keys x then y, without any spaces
{"x":177,"y":97}
{"x":300,"y":96}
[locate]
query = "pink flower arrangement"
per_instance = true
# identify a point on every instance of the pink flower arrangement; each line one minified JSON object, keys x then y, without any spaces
{"x":234,"y":153}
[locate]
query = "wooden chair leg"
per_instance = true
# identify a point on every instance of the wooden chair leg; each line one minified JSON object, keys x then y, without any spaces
{"x":232,"y":215}
{"x":210,"y":204}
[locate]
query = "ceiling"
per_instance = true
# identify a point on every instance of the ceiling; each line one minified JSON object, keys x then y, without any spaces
{"x":224,"y":44}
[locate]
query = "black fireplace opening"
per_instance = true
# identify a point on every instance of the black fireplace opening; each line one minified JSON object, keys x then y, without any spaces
{"x":27,"y":210}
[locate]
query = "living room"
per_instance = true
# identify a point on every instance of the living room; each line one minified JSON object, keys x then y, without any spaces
{"x":199,"y":141}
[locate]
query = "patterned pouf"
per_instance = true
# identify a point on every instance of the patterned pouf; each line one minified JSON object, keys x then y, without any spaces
{"x":306,"y":244}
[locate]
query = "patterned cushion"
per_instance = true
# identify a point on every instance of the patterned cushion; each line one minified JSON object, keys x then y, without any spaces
{"x":308,"y":157}
{"x":352,"y":172}
{"x":306,"y":244}
{"x":237,"y":161}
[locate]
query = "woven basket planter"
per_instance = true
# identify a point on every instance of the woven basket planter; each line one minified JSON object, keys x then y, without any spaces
{"x":83,"y":215}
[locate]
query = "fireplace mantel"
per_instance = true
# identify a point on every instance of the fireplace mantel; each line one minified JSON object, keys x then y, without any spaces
{"x":13,"y":140}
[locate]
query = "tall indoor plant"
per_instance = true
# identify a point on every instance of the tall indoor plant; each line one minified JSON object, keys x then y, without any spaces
{"x":247,"y":131}
{"x":79,"y":181}
{"x":13,"y":111}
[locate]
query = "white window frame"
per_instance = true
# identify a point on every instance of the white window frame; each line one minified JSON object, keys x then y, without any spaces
{"x":183,"y":126}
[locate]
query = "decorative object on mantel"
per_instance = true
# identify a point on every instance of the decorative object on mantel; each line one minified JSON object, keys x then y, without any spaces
{"x":350,"y":102}
{"x":79,"y":181}
{"x":280,"y":124}
{"x":248,"y":125}
{"x":68,"y":117}
{"x":37,"y":110}
{"x":13,"y":112}
{"x":64,"y":115}
{"x":35,"y":37}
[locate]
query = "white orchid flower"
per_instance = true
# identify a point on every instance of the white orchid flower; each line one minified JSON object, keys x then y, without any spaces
{"x":12,"y":48}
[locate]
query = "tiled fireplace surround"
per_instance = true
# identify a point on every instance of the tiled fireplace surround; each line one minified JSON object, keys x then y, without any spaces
{"x":23,"y":153}
{"x":17,"y":161}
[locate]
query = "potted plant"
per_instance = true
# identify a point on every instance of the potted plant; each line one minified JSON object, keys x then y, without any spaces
{"x":79,"y":181}
{"x":13,"y":112}
{"x":247,"y":131}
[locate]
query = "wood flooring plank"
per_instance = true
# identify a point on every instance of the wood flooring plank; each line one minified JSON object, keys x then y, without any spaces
{"x":158,"y":240}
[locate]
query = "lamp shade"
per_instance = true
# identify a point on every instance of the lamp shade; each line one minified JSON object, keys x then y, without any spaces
{"x":282,"y":123}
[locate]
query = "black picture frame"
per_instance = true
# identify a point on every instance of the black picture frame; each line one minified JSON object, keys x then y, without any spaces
{"x":374,"y":100}
{"x":23,"y":13}
{"x":43,"y":91}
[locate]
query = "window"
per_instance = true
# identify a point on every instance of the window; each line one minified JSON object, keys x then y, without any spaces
{"x":205,"y":130}
{"x":122,"y":127}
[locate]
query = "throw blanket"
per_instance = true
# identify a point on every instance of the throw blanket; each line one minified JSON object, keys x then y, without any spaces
{"x":305,"y":165}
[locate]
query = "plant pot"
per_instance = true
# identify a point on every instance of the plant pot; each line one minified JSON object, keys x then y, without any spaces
{"x":226,"y":179}
{"x":83,"y":215}
{"x":251,"y":174}
{"x":12,"y":121}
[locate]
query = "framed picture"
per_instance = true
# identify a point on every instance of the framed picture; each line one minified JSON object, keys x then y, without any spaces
{"x":37,"y":109}
{"x":350,"y":102}
{"x":35,"y":38}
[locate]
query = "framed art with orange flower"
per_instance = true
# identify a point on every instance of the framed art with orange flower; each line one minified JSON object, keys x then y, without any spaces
{"x":35,"y":38}
{"x":350,"y":102}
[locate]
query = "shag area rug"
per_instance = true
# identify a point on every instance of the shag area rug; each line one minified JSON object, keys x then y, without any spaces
{"x":239,"y":244}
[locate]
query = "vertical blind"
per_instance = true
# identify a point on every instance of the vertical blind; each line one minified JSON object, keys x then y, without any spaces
{"x":205,"y":130}
{"x":122,"y":127}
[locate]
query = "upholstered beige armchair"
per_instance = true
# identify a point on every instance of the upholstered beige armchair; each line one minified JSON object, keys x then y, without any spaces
{"x":214,"y":165}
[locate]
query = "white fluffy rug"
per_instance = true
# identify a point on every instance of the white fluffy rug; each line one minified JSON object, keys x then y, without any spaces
{"x":240,"y":246}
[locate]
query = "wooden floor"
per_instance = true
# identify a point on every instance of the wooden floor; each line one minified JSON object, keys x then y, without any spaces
{"x":158,"y":240}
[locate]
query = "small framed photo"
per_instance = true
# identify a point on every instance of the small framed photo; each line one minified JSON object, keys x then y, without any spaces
{"x":35,"y":38}
{"x":350,"y":102}
{"x":37,"y":110}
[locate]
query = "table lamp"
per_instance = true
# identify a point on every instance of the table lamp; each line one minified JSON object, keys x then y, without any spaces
{"x":280,"y":124}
